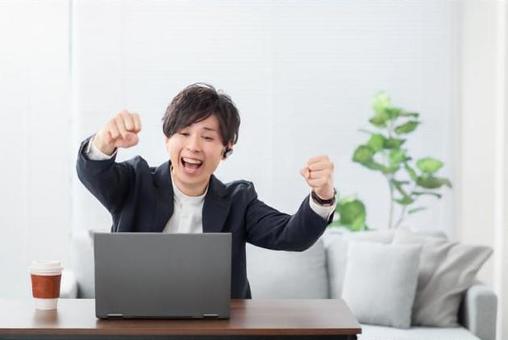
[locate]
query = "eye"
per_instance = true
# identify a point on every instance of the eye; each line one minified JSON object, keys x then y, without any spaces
{"x":208,"y":138}
{"x":184,"y":133}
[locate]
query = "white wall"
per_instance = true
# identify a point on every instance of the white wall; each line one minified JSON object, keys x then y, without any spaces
{"x":302,"y":75}
{"x":483,"y":179}
{"x":34,"y":129}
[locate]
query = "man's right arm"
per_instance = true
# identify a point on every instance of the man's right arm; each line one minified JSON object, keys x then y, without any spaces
{"x":108,"y":181}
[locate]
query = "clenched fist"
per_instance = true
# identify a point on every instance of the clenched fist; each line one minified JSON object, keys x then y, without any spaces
{"x":120,"y":132}
{"x":318,"y":173}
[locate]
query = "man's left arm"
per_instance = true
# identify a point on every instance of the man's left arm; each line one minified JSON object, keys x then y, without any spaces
{"x":268,"y":228}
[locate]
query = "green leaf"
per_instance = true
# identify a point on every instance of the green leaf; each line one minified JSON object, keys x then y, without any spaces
{"x":391,"y":169}
{"x":407,"y":127}
{"x":393,"y":112}
{"x":398,"y":186}
{"x":409,"y":114}
{"x":414,"y":210}
{"x":428,"y":193}
{"x":393,"y":143}
{"x":363,"y":154}
{"x":373,"y":165}
{"x":381,"y":102}
{"x":411,"y":172}
{"x":429,"y":165}
{"x":352,"y":214}
{"x":379,"y":120}
{"x":376,"y":142}
{"x":431,"y":182}
{"x":405,"y":200}
{"x":384,"y":111}
{"x":397,"y":156}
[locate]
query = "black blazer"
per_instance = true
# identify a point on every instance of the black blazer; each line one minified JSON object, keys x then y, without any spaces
{"x":140,"y":199}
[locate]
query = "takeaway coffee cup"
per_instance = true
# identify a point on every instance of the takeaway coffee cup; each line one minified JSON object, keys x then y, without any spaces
{"x":46,"y":277}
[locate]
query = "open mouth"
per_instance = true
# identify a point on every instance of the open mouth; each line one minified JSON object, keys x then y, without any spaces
{"x":191,"y":164}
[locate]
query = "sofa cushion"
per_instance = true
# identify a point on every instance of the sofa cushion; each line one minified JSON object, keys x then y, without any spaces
{"x":447,"y":270}
{"x":370,"y":332}
{"x":283,"y":274}
{"x":380,"y":282}
{"x":336,"y":242}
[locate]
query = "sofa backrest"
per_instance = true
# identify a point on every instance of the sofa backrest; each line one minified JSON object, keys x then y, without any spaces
{"x":288,"y":275}
{"x":317,"y":272}
{"x":83,"y":264}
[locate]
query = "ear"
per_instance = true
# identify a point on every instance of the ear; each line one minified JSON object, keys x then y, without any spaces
{"x":227,"y":151}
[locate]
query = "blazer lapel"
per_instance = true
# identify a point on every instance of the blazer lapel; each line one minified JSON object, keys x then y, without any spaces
{"x":216,"y":206}
{"x":165,"y":202}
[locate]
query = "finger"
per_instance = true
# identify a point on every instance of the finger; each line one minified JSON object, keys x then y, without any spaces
{"x":121,"y":127}
{"x":113,"y":130}
{"x":127,"y":121}
{"x":321,"y":166}
{"x":319,"y":173}
{"x":131,"y":139}
{"x":137,"y":122}
{"x":317,"y":159}
{"x":305,"y":172}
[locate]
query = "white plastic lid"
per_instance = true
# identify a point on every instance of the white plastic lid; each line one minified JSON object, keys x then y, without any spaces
{"x":46,"y":267}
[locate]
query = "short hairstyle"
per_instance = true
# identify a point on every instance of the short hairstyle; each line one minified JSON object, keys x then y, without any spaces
{"x":197,"y":102}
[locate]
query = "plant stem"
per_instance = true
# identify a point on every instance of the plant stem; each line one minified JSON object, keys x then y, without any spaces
{"x":390,"y":217}
{"x":389,"y":178}
{"x":403,"y":211}
{"x":401,"y":217}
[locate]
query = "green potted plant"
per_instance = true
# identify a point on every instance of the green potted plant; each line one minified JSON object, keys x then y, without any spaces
{"x":384,"y":152}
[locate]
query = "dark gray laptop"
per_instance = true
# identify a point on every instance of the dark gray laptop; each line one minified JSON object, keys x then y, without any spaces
{"x":154,"y":275}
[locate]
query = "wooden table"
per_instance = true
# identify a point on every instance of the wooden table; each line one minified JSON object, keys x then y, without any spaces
{"x":250,"y":319}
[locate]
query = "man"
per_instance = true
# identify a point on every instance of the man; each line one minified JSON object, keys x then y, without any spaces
{"x":183,"y":196}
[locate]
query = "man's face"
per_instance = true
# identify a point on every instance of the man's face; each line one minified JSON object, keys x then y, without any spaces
{"x":195,"y":153}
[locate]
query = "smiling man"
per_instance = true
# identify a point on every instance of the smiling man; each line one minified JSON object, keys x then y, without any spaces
{"x":183,"y":196}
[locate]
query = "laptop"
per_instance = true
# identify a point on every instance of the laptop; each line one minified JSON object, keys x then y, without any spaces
{"x":162,"y":276}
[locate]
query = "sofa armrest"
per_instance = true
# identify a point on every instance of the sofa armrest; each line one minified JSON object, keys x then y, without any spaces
{"x":479,"y":311}
{"x":68,"y":285}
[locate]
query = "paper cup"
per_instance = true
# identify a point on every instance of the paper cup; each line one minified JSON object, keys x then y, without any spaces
{"x":46,"y":277}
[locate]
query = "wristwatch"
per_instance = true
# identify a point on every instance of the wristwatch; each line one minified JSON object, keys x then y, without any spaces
{"x":320,"y":201}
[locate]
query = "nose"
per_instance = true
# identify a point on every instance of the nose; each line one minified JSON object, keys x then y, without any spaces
{"x":193,"y":143}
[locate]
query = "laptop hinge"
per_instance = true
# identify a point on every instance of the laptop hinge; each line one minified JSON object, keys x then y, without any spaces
{"x":115,"y":316}
{"x":211,"y":316}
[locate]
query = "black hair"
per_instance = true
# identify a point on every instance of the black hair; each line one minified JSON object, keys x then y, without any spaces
{"x":197,"y":102}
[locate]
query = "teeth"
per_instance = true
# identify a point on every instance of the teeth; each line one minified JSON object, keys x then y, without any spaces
{"x":192,"y":161}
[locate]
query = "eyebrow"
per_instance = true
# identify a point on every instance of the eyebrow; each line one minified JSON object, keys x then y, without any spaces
{"x":209,"y":129}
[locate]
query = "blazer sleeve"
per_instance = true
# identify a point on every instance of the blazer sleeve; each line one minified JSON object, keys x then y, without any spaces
{"x":269,"y":228}
{"x":107,"y":180}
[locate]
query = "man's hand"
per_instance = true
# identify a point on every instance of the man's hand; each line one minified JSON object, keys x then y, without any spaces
{"x":120,"y":132}
{"x":318,"y":173}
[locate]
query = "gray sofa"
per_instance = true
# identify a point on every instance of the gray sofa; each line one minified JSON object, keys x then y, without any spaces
{"x":314,"y":273}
